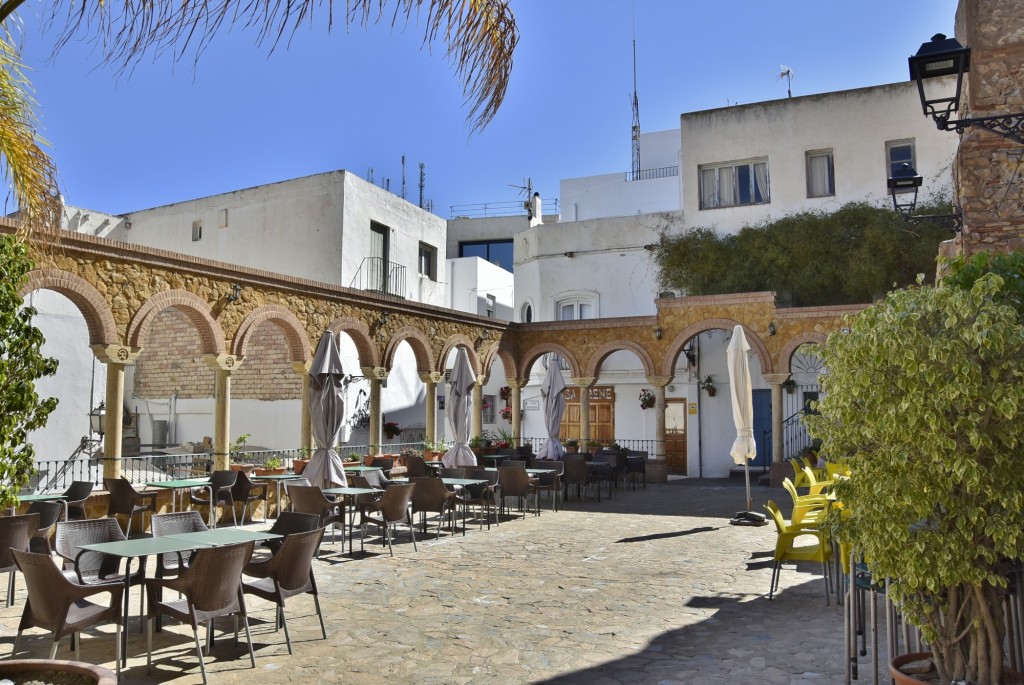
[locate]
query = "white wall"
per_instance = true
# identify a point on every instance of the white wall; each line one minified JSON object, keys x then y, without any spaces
{"x":472,"y":279}
{"x":489,"y":228}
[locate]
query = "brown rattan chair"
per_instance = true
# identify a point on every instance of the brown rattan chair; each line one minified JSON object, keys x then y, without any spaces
{"x":300,"y":482}
{"x":430,"y":495}
{"x":286,"y":574}
{"x":290,"y":523}
{"x":515,"y":482}
{"x":126,"y":500}
{"x":61,"y":606}
{"x":171,"y":564}
{"x":550,"y":480}
{"x":222,"y":484}
{"x":415,"y":467}
{"x":246,"y":491}
{"x":49,"y":513}
{"x":391,"y":509}
{"x":210,"y":587}
{"x":15,"y":534}
{"x":575,"y":473}
{"x":310,"y":499}
{"x":75,"y":498}
{"x":484,"y":496}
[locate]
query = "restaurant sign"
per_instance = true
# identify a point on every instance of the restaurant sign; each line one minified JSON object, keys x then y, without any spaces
{"x":597,"y":393}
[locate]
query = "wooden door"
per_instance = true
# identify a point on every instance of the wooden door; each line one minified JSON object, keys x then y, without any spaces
{"x":675,"y":435}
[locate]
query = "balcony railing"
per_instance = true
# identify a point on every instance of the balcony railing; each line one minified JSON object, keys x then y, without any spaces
{"x":648,"y":174}
{"x":380,"y":276}
{"x":485,"y":210}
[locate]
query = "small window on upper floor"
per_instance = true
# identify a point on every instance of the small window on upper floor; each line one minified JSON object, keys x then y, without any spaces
{"x":197,"y":231}
{"x":487,"y":410}
{"x":898,"y":153}
{"x":428,"y":261}
{"x":820,"y":174}
{"x":491,"y":303}
{"x":732,"y":184}
{"x":527,"y":315}
{"x":574,"y":308}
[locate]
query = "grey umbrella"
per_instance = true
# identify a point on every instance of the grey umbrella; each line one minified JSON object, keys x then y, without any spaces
{"x":458,"y":408}
{"x":554,"y":406}
{"x":744,"y":448}
{"x":327,"y":414}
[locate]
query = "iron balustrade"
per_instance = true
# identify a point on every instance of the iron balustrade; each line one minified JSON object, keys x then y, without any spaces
{"x":379,"y":275}
{"x":650,"y":174}
{"x":483,"y":210}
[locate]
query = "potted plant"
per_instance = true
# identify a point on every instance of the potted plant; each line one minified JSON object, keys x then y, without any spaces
{"x":789,"y":385}
{"x":476,"y":443}
{"x":593,"y":446}
{"x":392,"y":430}
{"x":299,"y":464}
{"x":238,"y":462}
{"x":271,"y":467}
{"x":572,"y":445}
{"x":506,"y":414}
{"x":353,"y":458}
{"x":505,"y":393}
{"x":708,"y":385}
{"x":646,"y":399}
{"x":433,"y":449}
{"x":924,"y":397}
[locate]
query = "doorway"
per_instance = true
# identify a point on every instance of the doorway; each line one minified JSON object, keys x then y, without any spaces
{"x":675,"y":435}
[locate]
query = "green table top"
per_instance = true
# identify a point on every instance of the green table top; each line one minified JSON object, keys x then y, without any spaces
{"x":358,"y":469}
{"x":223,"y":536}
{"x":462,"y":481}
{"x":279,"y":476}
{"x":179,"y":483}
{"x":351,"y":491}
{"x":142,"y":547}
{"x":41,"y":497}
{"x":532,"y":472}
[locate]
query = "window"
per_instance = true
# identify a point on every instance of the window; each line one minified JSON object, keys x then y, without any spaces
{"x":428,"y":261}
{"x":898,"y":153}
{"x":527,"y":315}
{"x":487,"y":411}
{"x":497,"y":252}
{"x":820,"y":174}
{"x":377,"y":263}
{"x":491,"y":302}
{"x":734,"y":184}
{"x":197,"y":231}
{"x":574,"y":308}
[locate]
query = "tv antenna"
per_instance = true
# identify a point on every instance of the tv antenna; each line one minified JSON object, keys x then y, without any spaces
{"x":636,"y":108}
{"x":526,"y":191}
{"x":787,"y":74}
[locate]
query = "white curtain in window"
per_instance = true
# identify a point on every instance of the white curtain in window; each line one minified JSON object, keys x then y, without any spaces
{"x":726,"y":186}
{"x":818,"y":174}
{"x":761,"y":181}
{"x":708,"y":190}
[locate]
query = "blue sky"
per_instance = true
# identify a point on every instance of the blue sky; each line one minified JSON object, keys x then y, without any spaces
{"x":360,"y":99}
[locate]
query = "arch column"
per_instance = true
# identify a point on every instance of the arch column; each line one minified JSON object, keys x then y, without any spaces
{"x":116,"y":357}
{"x":659,"y":383}
{"x":478,"y":407}
{"x":516,"y":400}
{"x":223,"y":365}
{"x":305,"y":422}
{"x":431,"y":380}
{"x":776,"y":380}
{"x":585,"y":383}
{"x":376,"y":375}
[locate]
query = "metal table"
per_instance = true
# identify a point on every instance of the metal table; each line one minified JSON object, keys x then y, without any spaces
{"x":347,"y":493}
{"x":48,"y":497}
{"x":277,"y":479}
{"x":176,"y":486}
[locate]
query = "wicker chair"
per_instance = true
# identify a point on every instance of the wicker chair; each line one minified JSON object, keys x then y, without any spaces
{"x":483,"y":496}
{"x":310,"y":499}
{"x":126,"y":500}
{"x":286,"y":574}
{"x":222,"y":484}
{"x":290,"y":523}
{"x":171,"y":564}
{"x":392,"y":508}
{"x":515,"y":482}
{"x":75,"y":498}
{"x":210,"y":587}
{"x":550,"y":480}
{"x":415,"y":467}
{"x":49,"y":513}
{"x":576,"y":473}
{"x":430,"y":495}
{"x":246,"y":491}
{"x":15,"y":534}
{"x":60,"y":606}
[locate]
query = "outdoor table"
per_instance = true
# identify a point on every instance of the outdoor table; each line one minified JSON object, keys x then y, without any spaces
{"x":495,"y":458}
{"x":131,"y":549}
{"x":360,"y":469}
{"x":460,"y":483}
{"x":177,"y":486}
{"x":216,"y":537}
{"x":532,"y":472}
{"x":277,"y":479}
{"x":48,"y":497}
{"x":438,"y":464}
{"x":347,"y":493}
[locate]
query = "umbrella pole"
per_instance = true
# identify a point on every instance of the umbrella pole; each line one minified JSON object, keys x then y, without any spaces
{"x":746,"y":472}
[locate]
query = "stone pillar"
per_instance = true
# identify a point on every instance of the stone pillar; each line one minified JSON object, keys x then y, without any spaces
{"x":305,"y":426}
{"x":223,"y":365}
{"x":778,"y":467}
{"x":516,"y":401}
{"x":431,"y":380}
{"x":585,"y":383}
{"x":116,"y":357}
{"x":376,"y":375}
{"x":658,"y":471}
{"x":477,"y":427}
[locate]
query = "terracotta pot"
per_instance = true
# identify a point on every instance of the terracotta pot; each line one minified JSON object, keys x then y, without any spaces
{"x":248,"y":468}
{"x":901,"y":678}
{"x":271,"y":472}
{"x":711,"y":391}
{"x":298,"y":465}
{"x":573,"y":450}
{"x":100,"y":675}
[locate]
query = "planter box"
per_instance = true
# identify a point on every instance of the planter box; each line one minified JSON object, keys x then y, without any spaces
{"x":97,"y":674}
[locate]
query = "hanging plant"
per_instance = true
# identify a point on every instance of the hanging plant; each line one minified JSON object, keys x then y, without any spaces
{"x":392,"y":430}
{"x":646,"y":399}
{"x":505,"y":393}
{"x":506,"y":413}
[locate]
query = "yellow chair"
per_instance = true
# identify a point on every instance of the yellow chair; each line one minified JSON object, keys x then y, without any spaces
{"x":799,"y":477}
{"x":806,"y":508}
{"x":786,"y":548}
{"x":812,"y":464}
{"x":815,"y":486}
{"x":833,"y":469}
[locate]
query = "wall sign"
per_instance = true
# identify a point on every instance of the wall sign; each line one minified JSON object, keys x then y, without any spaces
{"x":531,"y":405}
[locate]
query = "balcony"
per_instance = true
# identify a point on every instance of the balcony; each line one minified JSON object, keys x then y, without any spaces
{"x":378,"y":275}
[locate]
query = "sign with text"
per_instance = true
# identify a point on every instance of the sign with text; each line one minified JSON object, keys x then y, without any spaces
{"x":531,"y":405}
{"x":597,"y":393}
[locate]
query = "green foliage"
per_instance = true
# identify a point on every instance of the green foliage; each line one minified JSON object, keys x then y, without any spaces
{"x":924,"y":395}
{"x":21,"y":364}
{"x":236,"y":447}
{"x":851,"y":256}
{"x":1010,"y":267}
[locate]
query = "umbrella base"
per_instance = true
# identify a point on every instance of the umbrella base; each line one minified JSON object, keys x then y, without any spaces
{"x":748,"y":518}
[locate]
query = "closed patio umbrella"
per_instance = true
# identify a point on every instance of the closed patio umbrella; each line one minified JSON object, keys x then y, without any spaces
{"x":460,"y":404}
{"x":554,"y":406}
{"x":327,"y":414}
{"x":743,"y":448}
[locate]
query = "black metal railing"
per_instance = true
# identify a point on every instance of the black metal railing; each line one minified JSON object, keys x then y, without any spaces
{"x":379,"y":275}
{"x":649,"y":174}
{"x":483,"y":210}
{"x":794,"y":437}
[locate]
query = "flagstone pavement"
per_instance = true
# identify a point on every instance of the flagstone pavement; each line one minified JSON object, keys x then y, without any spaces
{"x":651,"y":586}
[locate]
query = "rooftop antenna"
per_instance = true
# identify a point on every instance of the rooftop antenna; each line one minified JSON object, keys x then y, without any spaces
{"x":526,"y":191}
{"x":636,"y":107}
{"x":403,"y":177}
{"x":787,"y":74}
{"x":423,"y":182}
{"x":369,"y":174}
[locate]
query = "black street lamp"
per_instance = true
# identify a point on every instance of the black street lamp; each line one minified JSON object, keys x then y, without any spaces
{"x":903,"y":186}
{"x":943,"y":56}
{"x":97,"y":417}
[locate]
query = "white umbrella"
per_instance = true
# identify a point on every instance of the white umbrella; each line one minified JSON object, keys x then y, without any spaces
{"x":458,"y":408}
{"x":743,"y":449}
{"x":327,"y":414}
{"x":554,"y":406}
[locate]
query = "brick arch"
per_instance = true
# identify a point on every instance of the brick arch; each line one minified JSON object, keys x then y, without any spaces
{"x":419,"y":343}
{"x":285,"y":320}
{"x":675,"y":348}
{"x":98,"y":317}
{"x":491,"y":353}
{"x":459,"y":341}
{"x":360,"y":334}
{"x":599,"y":355}
{"x":507,"y":361}
{"x":793,"y":344}
{"x":534,"y":352}
{"x":211,"y":335}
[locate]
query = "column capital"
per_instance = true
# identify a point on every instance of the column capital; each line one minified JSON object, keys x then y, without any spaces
{"x":116,"y":354}
{"x":378,"y":373}
{"x":660,"y":381}
{"x":584,"y":381}
{"x":776,"y":378}
{"x":517,"y":383}
{"x":301,"y":367}
{"x":434,"y":377}
{"x":223,"y":362}
{"x":481,"y":381}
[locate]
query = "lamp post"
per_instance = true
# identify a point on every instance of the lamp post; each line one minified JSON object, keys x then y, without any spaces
{"x":903,"y":186}
{"x":96,"y":418}
{"x":943,"y":56}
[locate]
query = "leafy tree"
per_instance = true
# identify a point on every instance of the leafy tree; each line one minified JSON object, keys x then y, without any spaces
{"x":850,"y":256}
{"x":21,"y":364}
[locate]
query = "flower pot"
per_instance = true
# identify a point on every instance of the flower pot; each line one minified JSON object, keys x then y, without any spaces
{"x":711,"y":391}
{"x":248,"y":468}
{"x":298,"y":465}
{"x":573,"y":450}
{"x":91,"y":672}
{"x":927,"y":675}
{"x":271,"y":472}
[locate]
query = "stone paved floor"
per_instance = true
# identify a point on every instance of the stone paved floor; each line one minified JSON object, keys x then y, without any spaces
{"x":652,"y":586}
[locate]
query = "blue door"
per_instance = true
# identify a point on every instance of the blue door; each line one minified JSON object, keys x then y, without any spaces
{"x":762,"y":424}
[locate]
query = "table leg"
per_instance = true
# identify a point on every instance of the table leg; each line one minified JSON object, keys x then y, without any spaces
{"x":124,"y":629}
